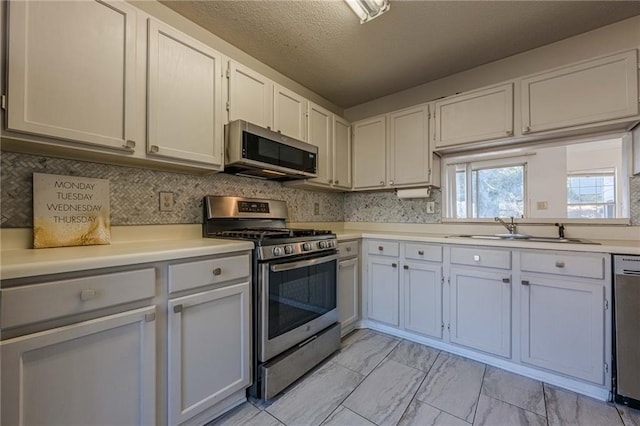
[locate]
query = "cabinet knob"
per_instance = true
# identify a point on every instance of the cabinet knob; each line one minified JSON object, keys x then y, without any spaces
{"x":506,"y":280}
{"x":526,"y":129}
{"x":559,"y":264}
{"x":525,"y":282}
{"x":154,"y":148}
{"x":348,"y":248}
{"x":217,"y":271}
{"x":337,"y":182}
{"x":508,"y":132}
{"x":390,"y":182}
{"x":381,"y":182}
{"x":394,"y":265}
{"x":87,"y":294}
{"x":129,"y":144}
{"x":476,"y":258}
{"x":177,"y":309}
{"x":330,"y":181}
{"x":380,"y":248}
{"x":421,"y":253}
{"x":406,"y":266}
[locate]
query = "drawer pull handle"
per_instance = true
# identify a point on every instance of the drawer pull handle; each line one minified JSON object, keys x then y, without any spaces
{"x":559,"y":264}
{"x":406,"y":266}
{"x":151,"y":316}
{"x":87,"y":294}
{"x":476,"y":258}
{"x":217,"y":271}
{"x":394,"y":265}
{"x":177,"y":309}
{"x":506,"y":280}
{"x":525,"y":282}
{"x":380,"y":248}
{"x":348,"y":248}
{"x":421,"y":253}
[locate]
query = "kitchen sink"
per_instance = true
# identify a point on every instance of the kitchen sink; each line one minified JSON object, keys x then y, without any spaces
{"x":525,"y":237}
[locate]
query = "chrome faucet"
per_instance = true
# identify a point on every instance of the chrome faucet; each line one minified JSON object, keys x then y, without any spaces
{"x":511,"y":227}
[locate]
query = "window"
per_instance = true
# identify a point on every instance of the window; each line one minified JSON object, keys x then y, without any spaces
{"x":592,"y":195}
{"x":493,"y":188}
{"x":546,"y":182}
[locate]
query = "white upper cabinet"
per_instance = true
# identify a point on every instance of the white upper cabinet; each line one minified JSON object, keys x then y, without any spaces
{"x":369,"y":153}
{"x":289,"y":113}
{"x":584,"y":93}
{"x":71,"y":72}
{"x":185,"y":101}
{"x":341,"y":153}
{"x":474,"y":116}
{"x":320,"y":134}
{"x":409,"y":156}
{"x":250,"y":96}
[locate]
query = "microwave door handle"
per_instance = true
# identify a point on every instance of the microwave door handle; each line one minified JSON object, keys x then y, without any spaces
{"x":303,"y":263}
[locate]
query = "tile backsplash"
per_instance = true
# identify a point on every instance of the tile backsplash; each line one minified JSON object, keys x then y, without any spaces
{"x":135,"y":195}
{"x":135,"y":192}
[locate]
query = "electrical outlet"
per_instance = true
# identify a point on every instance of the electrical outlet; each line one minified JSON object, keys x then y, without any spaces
{"x":542,"y":205}
{"x":431,"y":206}
{"x":166,"y":201}
{"x":316,"y":208}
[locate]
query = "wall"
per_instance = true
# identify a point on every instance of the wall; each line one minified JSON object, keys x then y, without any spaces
{"x":134,"y":192}
{"x":623,"y":35}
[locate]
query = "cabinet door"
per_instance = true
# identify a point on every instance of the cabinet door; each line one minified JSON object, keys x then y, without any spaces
{"x":341,"y":153}
{"x":409,"y":154}
{"x":563,"y":326}
{"x":480,"y":309}
{"x":474,"y":116}
{"x":320,"y":134}
{"x":209,"y":359}
{"x":96,"y":372}
{"x":250,"y":96}
{"x":348,"y":292}
{"x":71,"y":72}
{"x":289,"y":113}
{"x":383,"y":289}
{"x":184,"y":98}
{"x":369,"y":153}
{"x":423,"y":298}
{"x":584,"y":93}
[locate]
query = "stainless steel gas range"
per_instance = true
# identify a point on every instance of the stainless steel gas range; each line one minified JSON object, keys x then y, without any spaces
{"x":294,"y":288}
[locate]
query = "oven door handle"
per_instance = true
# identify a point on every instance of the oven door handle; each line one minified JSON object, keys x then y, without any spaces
{"x":303,"y":263}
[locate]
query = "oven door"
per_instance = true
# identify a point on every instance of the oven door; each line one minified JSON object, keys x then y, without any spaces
{"x":296,"y":300}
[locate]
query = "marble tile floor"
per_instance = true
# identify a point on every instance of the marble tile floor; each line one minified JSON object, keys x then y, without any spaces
{"x":376,"y":379}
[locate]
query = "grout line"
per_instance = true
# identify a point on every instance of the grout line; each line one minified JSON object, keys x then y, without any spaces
{"x":475,"y":412}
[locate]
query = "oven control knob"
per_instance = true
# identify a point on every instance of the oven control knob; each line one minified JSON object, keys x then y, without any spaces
{"x":306,"y":247}
{"x":322,"y":244}
{"x":330,"y":244}
{"x":277,"y":251}
{"x":288,"y":249}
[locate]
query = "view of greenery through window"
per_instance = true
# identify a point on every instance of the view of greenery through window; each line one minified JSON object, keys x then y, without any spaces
{"x":497,"y":191}
{"x":551,"y":181}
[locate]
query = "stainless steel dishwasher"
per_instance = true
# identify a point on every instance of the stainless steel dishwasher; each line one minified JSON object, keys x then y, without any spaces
{"x":626,"y":382}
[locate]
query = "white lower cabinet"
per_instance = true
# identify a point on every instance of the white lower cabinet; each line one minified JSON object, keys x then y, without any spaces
{"x":562,"y":323}
{"x":209,"y":349}
{"x":95,"y":372}
{"x":480,"y":310}
{"x":347,"y":292}
{"x":384,"y":290}
{"x":422,"y":285}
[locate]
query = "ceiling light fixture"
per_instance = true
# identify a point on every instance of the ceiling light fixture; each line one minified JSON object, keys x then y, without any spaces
{"x":368,"y":9}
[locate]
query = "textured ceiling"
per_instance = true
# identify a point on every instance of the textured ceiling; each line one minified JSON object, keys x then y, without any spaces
{"x":322,"y":45}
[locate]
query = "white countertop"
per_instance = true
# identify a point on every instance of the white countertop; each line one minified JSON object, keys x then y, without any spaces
{"x":19,"y":263}
{"x":604,"y":246}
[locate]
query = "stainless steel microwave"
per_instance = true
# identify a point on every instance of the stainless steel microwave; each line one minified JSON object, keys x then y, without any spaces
{"x":254,"y":151}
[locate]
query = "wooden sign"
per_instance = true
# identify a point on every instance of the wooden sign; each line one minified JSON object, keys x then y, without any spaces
{"x":70,"y":211}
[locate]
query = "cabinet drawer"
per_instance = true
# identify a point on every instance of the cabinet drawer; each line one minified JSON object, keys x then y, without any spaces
{"x":348,"y":249}
{"x":429,"y":252}
{"x":383,"y":248}
{"x":46,"y":301}
{"x":569,"y":264}
{"x":185,"y":276}
{"x":481,"y":257}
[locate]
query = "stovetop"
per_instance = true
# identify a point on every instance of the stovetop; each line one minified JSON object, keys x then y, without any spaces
{"x":269,"y":234}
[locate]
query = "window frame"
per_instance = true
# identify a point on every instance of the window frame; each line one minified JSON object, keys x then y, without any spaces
{"x":596,"y":173}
